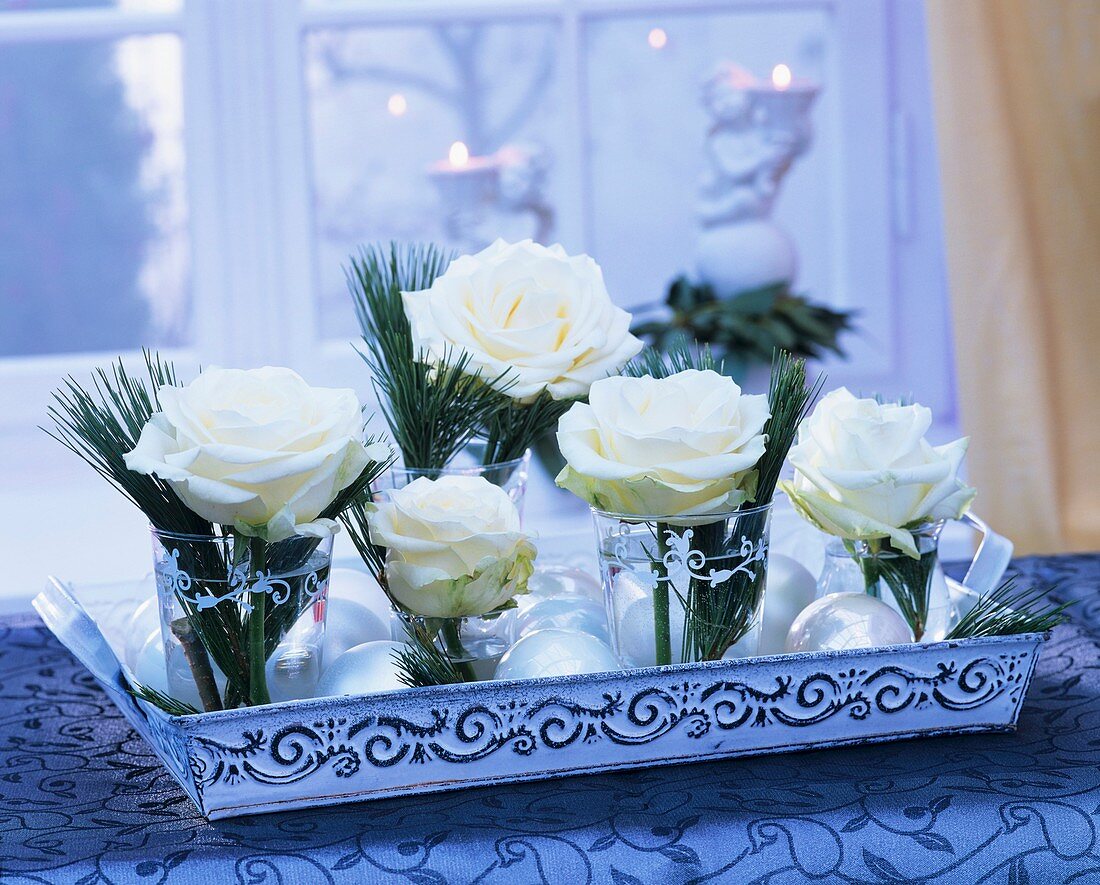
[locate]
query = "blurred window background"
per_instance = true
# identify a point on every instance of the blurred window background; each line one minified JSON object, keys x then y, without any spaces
{"x":191,"y":175}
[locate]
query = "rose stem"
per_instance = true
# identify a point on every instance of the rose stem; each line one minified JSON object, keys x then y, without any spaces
{"x":453,"y":641}
{"x":869,"y":565}
{"x":199,"y":663}
{"x":257,"y":655}
{"x":662,"y":629}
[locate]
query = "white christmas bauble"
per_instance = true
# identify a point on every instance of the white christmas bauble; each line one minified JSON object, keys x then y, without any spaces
{"x":151,"y":670}
{"x":356,"y":586}
{"x":556,"y":581}
{"x":847,"y":620}
{"x":555,"y":653}
{"x":348,"y":624}
{"x":148,"y":665}
{"x":569,"y":613}
{"x":144,"y":620}
{"x":637,"y":643}
{"x":292,"y":672}
{"x":365,"y":669}
{"x":790,"y":589}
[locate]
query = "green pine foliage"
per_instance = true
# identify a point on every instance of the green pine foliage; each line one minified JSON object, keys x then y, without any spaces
{"x":432,"y":411}
{"x":718,"y":616}
{"x":1008,"y":611}
{"x":101,"y":423}
{"x":422,"y":663}
{"x":747,"y":327}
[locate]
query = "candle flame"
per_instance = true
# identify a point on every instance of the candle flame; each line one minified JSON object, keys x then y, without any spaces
{"x":459,"y":155}
{"x":781,"y":77}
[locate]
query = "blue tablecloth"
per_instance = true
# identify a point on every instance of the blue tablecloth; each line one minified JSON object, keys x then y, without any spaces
{"x":84,"y":800}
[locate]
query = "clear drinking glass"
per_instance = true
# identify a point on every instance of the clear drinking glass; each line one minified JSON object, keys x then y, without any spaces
{"x":243,"y":621}
{"x":509,"y":475}
{"x":474,"y":644}
{"x":915,"y":588}
{"x":683,"y":588}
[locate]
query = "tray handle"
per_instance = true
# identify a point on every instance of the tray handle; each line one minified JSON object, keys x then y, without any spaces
{"x":991,"y":558}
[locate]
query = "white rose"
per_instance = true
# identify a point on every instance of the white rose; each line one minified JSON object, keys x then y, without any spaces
{"x":864,"y":470}
{"x":686,"y":444}
{"x":258,"y":449}
{"x":454,"y":547}
{"x":540,"y":315}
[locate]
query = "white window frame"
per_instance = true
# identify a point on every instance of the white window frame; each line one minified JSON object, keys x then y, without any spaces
{"x":253,"y":266}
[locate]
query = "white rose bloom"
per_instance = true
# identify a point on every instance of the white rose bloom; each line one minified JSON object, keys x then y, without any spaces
{"x":454,"y":547}
{"x":259,"y":450}
{"x":540,"y":315}
{"x":864,"y":470}
{"x":686,"y":444}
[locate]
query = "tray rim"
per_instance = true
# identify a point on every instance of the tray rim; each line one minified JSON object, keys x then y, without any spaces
{"x":194,"y":720}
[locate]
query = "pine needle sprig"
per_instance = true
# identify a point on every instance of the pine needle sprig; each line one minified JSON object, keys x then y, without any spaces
{"x":1007,"y":611}
{"x":421,"y":662}
{"x":102,"y":423}
{"x":512,"y":428}
{"x":377,"y":277}
{"x":790,"y":400}
{"x":679,"y":357}
{"x":355,"y":523}
{"x":159,"y":699}
{"x":432,"y":411}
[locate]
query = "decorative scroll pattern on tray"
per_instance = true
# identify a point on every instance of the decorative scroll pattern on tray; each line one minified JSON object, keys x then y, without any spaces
{"x":698,"y":708}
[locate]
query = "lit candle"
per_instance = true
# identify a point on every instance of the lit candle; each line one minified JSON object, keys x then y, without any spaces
{"x":466,"y":181}
{"x":784,"y":100}
{"x":461,"y":162}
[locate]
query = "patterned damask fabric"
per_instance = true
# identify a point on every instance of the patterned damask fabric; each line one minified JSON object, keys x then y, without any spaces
{"x":84,"y":800}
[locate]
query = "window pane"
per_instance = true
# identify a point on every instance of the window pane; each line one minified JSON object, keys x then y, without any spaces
{"x":128,"y":5}
{"x":93,"y":220}
{"x":648,"y":135}
{"x":388,"y":103}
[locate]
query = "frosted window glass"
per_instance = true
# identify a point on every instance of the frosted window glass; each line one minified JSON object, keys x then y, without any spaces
{"x":93,"y":217}
{"x":648,"y":127}
{"x":127,"y":5}
{"x":386,"y":103}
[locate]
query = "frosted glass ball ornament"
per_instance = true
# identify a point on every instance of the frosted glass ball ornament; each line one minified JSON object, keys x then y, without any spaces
{"x":843,"y":621}
{"x":365,"y":669}
{"x":634,"y":612}
{"x":144,"y":620}
{"x":348,"y":624}
{"x":292,"y":673}
{"x":151,"y":669}
{"x":356,"y":586}
{"x":570,"y":613}
{"x":148,"y":664}
{"x":551,"y":652}
{"x":791,"y":587}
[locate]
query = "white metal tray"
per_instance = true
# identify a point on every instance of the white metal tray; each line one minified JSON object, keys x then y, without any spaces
{"x":332,"y":750}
